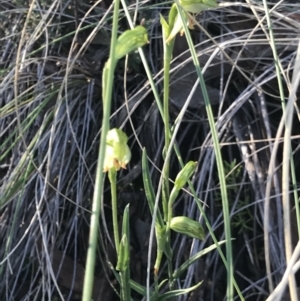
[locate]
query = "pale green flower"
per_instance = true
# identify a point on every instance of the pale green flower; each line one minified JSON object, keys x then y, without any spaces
{"x":182,"y":178}
{"x":117,"y":153}
{"x":187,"y":226}
{"x":131,"y":40}
{"x":185,"y":174}
{"x":189,"y":6}
{"x":197,"y":6}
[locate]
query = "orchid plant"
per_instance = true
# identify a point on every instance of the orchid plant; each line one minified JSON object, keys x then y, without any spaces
{"x":115,"y":154}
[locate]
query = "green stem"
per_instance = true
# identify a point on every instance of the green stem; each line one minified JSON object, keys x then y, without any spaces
{"x":106,"y":98}
{"x":168,"y":49}
{"x":166,"y":170}
{"x":125,"y":285}
{"x":112,"y":174}
{"x":167,"y":63}
{"x":156,"y":283}
{"x":168,"y":242}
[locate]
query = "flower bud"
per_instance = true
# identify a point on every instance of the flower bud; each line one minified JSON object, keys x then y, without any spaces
{"x":117,"y":153}
{"x":197,"y":6}
{"x":185,"y":174}
{"x":131,"y":40}
{"x":187,"y":226}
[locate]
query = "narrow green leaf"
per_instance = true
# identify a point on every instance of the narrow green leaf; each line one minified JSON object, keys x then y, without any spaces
{"x":149,"y":191}
{"x":124,"y":248}
{"x":125,"y":224}
{"x":123,"y":256}
{"x":194,"y":258}
{"x":176,"y":293}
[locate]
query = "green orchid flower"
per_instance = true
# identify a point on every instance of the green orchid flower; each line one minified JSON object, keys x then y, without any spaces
{"x":131,"y":40}
{"x":187,"y":226}
{"x":197,"y":6}
{"x":117,"y":153}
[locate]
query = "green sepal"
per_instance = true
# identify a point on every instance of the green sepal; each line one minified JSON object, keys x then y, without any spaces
{"x":172,"y":15}
{"x":178,"y":27}
{"x":165,"y":27}
{"x":131,"y":40}
{"x":116,"y":136}
{"x":197,"y":6}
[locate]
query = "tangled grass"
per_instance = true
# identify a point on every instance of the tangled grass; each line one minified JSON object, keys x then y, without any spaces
{"x":51,"y":58}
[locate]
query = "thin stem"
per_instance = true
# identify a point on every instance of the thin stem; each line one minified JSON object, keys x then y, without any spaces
{"x":168,"y":241}
{"x":112,"y":174}
{"x":166,"y":170}
{"x":106,"y":98}
{"x":168,"y":49}
{"x":156,"y":283}
{"x":125,"y":285}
